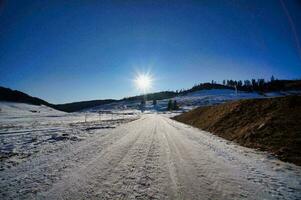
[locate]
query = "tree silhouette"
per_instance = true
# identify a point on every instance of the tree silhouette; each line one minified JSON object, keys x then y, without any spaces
{"x":175,"y":105}
{"x":169,"y":105}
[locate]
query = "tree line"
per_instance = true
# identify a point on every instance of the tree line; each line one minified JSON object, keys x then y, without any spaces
{"x":172,"y":105}
{"x":252,"y":85}
{"x":262,"y":85}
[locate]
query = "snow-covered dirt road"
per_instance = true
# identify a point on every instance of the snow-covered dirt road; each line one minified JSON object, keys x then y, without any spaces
{"x":153,"y":157}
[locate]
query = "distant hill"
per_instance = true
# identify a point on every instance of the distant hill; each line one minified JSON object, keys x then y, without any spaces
{"x":272,"y":124}
{"x":263,"y":86}
{"x":205,"y":86}
{"x":9,"y":95}
{"x":76,"y":106}
{"x":153,"y":96}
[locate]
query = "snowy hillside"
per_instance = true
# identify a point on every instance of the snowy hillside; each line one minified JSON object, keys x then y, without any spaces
{"x":48,"y":154}
{"x":26,"y":130}
{"x":186,"y":102}
{"x":213,"y":97}
{"x":23,"y":109}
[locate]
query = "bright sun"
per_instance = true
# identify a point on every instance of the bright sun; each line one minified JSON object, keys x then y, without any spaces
{"x":143,"y":82}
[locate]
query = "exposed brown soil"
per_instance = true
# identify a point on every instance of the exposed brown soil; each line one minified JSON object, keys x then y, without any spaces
{"x":272,"y":124}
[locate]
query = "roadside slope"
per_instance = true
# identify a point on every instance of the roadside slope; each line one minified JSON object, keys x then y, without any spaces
{"x":272,"y":124}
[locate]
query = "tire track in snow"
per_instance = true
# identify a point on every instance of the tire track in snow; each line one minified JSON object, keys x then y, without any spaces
{"x":252,"y":170}
{"x":83,"y":181}
{"x":154,"y":158}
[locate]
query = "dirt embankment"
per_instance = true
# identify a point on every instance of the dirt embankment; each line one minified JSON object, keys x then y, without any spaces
{"x":272,"y":124}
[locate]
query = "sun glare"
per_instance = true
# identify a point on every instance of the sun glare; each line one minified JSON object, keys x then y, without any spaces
{"x":143,"y":82}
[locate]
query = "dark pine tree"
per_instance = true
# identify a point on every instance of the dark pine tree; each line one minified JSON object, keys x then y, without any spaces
{"x":169,"y":105}
{"x":175,"y":105}
{"x":142,"y":105}
{"x":261,"y":83}
{"x":254,"y":84}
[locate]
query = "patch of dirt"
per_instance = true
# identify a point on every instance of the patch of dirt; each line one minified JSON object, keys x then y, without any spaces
{"x":272,"y":124}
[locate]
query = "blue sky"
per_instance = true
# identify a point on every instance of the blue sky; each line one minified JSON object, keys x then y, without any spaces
{"x":65,"y":51}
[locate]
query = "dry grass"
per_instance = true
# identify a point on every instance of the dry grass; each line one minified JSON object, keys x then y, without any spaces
{"x":272,"y":124}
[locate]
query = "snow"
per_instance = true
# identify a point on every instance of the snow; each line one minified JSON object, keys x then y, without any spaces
{"x":152,"y":157}
{"x":212,"y":97}
{"x":23,"y":109}
{"x":282,"y":93}
{"x":186,"y":102}
{"x":26,"y":130}
{"x":114,"y":151}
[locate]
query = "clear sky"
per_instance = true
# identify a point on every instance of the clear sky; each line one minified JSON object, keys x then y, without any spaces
{"x":65,"y":51}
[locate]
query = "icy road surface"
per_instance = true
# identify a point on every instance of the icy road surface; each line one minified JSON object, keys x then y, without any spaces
{"x":152,"y":158}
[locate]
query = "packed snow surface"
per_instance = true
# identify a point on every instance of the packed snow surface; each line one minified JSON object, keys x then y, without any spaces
{"x":152,"y":157}
{"x":28,"y":130}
